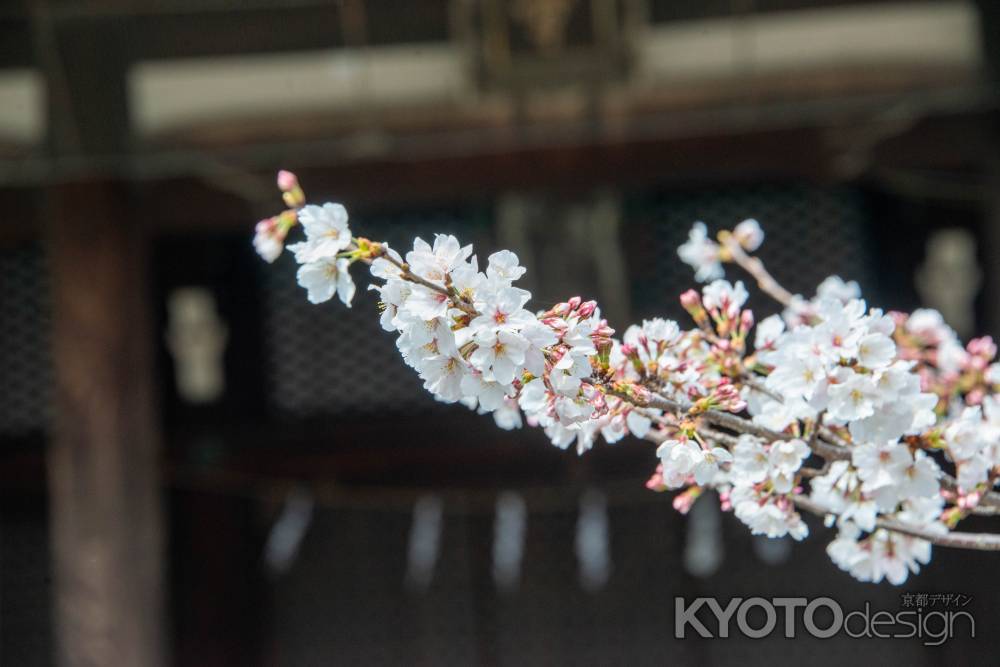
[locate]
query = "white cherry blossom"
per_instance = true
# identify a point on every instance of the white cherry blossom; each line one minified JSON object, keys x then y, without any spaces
{"x":326,"y":231}
{"x":749,"y":234}
{"x":725,"y":297}
{"x":325,"y":278}
{"x":702,"y":254}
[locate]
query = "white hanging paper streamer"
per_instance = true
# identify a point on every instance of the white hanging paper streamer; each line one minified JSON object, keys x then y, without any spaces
{"x":592,"y":541}
{"x":425,"y":542}
{"x":772,"y":551}
{"x":196,"y":338}
{"x":703,"y":547}
{"x":508,"y":540}
{"x":289,"y":529}
{"x":950,"y":277}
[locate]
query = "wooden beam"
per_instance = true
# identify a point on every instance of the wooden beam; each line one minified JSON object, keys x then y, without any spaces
{"x":15,"y":42}
{"x":185,"y":29}
{"x":103,"y":460}
{"x":572,"y":170}
{"x":85,"y":73}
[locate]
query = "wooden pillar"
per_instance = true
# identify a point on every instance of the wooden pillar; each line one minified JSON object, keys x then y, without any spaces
{"x":104,"y":485}
{"x":991,"y":252}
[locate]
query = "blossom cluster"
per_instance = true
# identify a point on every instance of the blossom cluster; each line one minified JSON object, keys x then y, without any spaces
{"x":829,"y":406}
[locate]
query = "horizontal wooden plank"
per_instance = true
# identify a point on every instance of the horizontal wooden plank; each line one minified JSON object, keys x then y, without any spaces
{"x":179,"y":29}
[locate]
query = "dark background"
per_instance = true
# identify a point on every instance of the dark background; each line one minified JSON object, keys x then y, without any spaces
{"x":585,"y":135}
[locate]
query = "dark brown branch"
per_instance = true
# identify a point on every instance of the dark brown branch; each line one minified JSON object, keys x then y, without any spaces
{"x":410,"y":276}
{"x":955,"y":539}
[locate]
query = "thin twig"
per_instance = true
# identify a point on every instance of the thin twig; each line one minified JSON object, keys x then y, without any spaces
{"x":815,"y":472}
{"x":955,"y":539}
{"x":719,"y":436}
{"x":730,"y":421}
{"x":753,"y":266}
{"x":407,"y":274}
{"x":751,"y":381}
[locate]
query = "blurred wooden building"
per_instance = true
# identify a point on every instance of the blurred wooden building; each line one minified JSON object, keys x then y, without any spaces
{"x":191,"y":469}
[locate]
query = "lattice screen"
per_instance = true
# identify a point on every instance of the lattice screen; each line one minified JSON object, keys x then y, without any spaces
{"x":25,"y":371}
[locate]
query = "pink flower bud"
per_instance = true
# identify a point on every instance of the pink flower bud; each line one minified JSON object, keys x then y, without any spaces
{"x":559,"y":310}
{"x":587,"y":309}
{"x":951,"y":516}
{"x":269,"y":238}
{"x":267,"y":225}
{"x":557,"y":324}
{"x":975,"y":397}
{"x":727,"y":397}
{"x":690,"y":300}
{"x":684,"y":501}
{"x":287,"y":181}
{"x":655,"y":482}
{"x":603,"y":330}
{"x":574,"y":303}
{"x":725,"y":504}
{"x":982,"y":347}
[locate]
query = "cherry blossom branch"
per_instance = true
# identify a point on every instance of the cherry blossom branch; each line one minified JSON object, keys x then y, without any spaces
{"x":955,"y":539}
{"x":989,"y":505}
{"x":832,"y":448}
{"x":750,"y":380}
{"x":718,"y":436}
{"x":836,"y":448}
{"x":976,"y":541}
{"x":470,"y":338}
{"x":743,"y":425}
{"x":408,"y":275}
{"x":733,"y":422}
{"x":815,"y":472}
